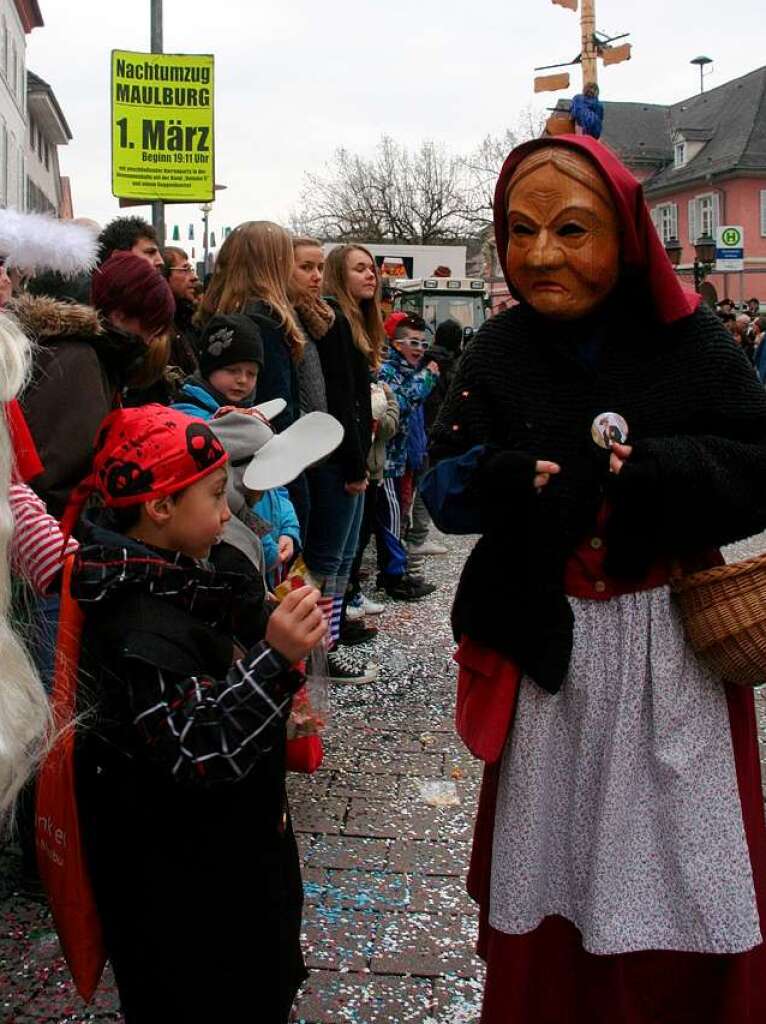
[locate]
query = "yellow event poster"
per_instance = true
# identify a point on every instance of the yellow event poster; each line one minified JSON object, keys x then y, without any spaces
{"x":162,"y":126}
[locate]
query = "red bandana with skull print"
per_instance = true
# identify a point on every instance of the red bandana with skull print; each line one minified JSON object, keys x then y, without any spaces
{"x":146,"y":453}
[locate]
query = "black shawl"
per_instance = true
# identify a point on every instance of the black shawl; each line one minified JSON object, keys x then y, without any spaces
{"x":697,"y":477}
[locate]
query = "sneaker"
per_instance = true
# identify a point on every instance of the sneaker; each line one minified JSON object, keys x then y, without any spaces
{"x":372,"y":607}
{"x":428,"y":547}
{"x":345,"y":670}
{"x":409,"y":589}
{"x":355,"y":608}
{"x":353,"y":633}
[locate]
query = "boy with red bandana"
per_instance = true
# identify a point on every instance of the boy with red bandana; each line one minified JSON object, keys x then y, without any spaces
{"x":181,"y":741}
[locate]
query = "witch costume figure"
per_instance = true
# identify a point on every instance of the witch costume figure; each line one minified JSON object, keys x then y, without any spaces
{"x":619,"y":857}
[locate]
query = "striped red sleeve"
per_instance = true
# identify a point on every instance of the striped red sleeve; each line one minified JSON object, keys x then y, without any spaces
{"x":37,"y":549}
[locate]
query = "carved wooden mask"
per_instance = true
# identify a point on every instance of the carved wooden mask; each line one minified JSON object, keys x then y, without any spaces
{"x":563,"y":254}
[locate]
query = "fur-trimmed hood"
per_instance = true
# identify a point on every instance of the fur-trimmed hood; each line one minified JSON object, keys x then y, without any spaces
{"x":43,"y":318}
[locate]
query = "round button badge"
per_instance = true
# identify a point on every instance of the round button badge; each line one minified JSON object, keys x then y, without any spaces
{"x":609,"y":428}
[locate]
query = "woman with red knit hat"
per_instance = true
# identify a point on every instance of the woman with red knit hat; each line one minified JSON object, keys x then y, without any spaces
{"x":85,"y":359}
{"x":619,"y":858}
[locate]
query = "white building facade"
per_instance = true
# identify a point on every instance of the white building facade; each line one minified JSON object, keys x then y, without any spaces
{"x":17,"y":19}
{"x":46,"y":131}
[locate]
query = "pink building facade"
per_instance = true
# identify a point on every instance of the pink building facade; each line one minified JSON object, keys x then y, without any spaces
{"x":693,"y":212}
{"x":702,"y":163}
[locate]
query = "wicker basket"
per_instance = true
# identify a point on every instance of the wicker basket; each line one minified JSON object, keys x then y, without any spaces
{"x":724,"y":614}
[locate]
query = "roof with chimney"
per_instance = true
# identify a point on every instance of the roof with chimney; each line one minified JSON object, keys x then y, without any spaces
{"x":725,"y":128}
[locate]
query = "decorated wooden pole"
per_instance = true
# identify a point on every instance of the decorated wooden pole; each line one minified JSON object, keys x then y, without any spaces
{"x":589,"y":53}
{"x":593,"y":44}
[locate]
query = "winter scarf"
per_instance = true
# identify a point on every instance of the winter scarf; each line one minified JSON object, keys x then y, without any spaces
{"x":316,"y":315}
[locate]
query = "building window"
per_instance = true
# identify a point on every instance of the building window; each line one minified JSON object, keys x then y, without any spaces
{"x":37,"y":201}
{"x":3,"y":164}
{"x":679,"y":154}
{"x":665,"y":219}
{"x":704,"y":216}
{"x":11,"y":164}
{"x":47,"y":157}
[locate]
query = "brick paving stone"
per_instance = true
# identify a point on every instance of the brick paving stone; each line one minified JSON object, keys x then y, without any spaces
{"x":445,"y":894}
{"x":457,"y":1000}
{"x":389,"y":739}
{"x":334,"y":938}
{"x":339,"y":757}
{"x":373,"y":818}
{"x":324,"y":815}
{"x":367,"y":784}
{"x":335,"y":998}
{"x":423,"y":944}
{"x":59,"y":1003}
{"x":426,"y":764}
{"x":348,"y":852}
{"x":302,"y":787}
{"x":390,"y":819}
{"x":305,"y":843}
{"x":358,"y":890}
{"x":428,"y":858}
{"x":313,"y":881}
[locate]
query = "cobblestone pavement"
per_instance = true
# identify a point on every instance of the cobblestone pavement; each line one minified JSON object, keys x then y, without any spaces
{"x":384,"y":829}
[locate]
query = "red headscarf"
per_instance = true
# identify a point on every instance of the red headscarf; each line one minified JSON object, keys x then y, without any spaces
{"x":642,"y":253}
{"x":146,"y":453}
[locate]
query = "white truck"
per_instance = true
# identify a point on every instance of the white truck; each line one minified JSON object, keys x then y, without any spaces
{"x":398,"y":262}
{"x":430,"y":280}
{"x":436,"y":299}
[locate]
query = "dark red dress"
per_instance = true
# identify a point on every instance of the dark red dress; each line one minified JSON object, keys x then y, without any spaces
{"x":546,"y":977}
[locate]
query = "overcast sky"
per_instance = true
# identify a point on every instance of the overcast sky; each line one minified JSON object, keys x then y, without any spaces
{"x":296,"y":79}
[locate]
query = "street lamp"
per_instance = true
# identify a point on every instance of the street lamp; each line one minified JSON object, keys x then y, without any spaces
{"x":702,"y":62}
{"x":206,"y":210}
{"x":704,"y":259}
{"x":674,"y":249}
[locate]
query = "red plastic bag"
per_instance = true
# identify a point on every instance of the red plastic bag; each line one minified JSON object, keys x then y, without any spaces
{"x":487,"y":690}
{"x":305,"y":754}
{"x":304,"y":751}
{"x":60,"y":853}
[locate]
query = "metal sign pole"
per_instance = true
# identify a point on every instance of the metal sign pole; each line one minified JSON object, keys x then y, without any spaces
{"x":158,"y":208}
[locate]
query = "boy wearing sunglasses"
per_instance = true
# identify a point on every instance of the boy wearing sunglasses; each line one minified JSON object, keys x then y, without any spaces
{"x":406,"y":333}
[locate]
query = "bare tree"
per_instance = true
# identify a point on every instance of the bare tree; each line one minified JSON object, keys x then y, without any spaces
{"x":482,"y":166}
{"x":420,"y":196}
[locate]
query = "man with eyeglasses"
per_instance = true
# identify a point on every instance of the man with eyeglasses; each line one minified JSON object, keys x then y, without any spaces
{"x":411,"y":386}
{"x":183,"y":281}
